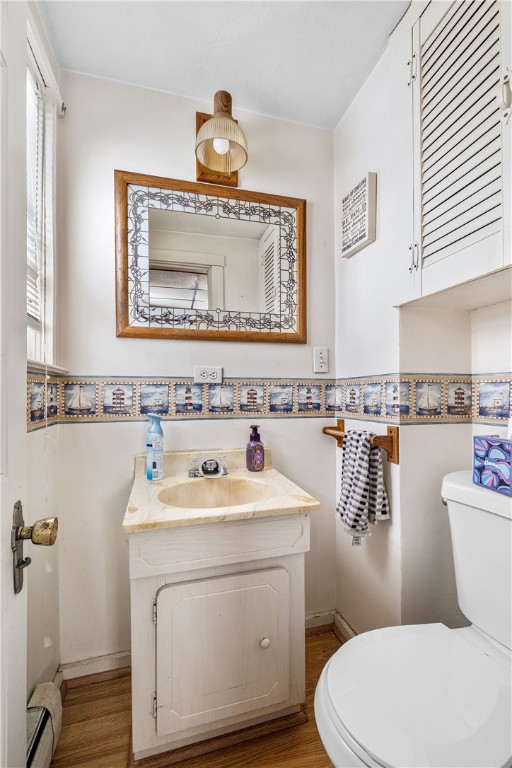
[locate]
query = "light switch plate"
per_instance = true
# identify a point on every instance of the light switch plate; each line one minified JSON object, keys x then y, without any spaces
{"x":320,"y":359}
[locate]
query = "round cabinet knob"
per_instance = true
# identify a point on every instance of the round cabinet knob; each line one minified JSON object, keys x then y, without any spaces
{"x":265,"y":643}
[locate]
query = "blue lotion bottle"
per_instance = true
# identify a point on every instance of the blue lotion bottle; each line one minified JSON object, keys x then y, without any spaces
{"x":255,"y":452}
{"x":154,"y":449}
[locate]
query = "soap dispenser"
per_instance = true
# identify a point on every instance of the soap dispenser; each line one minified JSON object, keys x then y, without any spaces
{"x":154,"y":448}
{"x":255,"y":452}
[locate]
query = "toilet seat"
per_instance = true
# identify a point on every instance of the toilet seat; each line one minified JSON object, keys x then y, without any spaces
{"x":460,"y":719}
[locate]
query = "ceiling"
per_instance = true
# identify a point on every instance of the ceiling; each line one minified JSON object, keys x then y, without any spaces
{"x":297,"y":60}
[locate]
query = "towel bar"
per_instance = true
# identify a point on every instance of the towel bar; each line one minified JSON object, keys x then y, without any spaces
{"x":388,"y":442}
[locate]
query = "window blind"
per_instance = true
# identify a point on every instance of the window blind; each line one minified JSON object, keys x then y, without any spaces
{"x":35,"y":206}
{"x":178,"y":288}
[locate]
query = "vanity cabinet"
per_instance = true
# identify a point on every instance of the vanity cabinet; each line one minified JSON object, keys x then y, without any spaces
{"x":218,"y":622}
{"x":460,"y":68}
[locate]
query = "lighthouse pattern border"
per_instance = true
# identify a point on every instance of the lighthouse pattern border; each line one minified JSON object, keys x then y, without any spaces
{"x":406,"y":399}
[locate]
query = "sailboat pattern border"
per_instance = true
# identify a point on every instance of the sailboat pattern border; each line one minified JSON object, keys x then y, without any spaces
{"x":393,"y":399}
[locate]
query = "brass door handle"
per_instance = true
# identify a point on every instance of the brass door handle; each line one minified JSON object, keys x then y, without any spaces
{"x":43,"y":532}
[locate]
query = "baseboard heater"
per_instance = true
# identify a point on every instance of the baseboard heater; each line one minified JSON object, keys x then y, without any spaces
{"x":44,"y":722}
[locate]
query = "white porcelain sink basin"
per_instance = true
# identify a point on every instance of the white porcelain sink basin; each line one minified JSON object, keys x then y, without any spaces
{"x":179,"y":500}
{"x":206,"y":493}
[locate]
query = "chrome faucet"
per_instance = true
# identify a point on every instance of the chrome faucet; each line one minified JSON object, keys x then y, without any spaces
{"x":211,"y":467}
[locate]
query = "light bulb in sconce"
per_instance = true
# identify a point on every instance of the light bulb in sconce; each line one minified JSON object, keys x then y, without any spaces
{"x":221,"y":146}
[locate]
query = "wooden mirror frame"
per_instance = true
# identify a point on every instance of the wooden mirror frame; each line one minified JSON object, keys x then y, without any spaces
{"x":135,"y":193}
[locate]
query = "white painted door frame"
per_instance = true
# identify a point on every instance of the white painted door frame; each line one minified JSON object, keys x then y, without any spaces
{"x":13,"y":608}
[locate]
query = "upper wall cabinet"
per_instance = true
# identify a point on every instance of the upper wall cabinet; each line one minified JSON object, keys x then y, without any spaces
{"x":460,"y":76}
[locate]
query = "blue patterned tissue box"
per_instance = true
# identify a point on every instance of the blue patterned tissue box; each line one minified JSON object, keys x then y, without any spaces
{"x":492,"y":459}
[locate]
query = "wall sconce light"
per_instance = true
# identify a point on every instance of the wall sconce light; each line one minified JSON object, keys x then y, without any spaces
{"x":221,"y":146}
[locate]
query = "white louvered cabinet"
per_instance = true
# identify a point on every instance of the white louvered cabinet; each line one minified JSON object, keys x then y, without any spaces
{"x":270,"y":270}
{"x":462,"y":143}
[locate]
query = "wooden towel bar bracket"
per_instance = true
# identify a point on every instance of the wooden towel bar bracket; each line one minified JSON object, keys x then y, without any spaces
{"x":388,"y":442}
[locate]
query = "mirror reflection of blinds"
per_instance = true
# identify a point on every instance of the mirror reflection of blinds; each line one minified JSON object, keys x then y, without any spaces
{"x":270,"y":271}
{"x":177,"y":288}
{"x":460,"y":129}
{"x":35,"y":207}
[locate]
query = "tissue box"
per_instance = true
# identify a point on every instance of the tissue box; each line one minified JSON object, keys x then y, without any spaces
{"x":492,"y":458}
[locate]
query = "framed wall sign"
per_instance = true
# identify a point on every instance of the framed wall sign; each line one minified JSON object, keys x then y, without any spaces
{"x":358,"y":216}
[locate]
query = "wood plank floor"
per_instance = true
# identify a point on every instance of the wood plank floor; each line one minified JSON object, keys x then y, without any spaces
{"x":97,"y":722}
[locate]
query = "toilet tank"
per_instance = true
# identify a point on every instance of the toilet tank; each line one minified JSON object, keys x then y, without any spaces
{"x":481,"y":532}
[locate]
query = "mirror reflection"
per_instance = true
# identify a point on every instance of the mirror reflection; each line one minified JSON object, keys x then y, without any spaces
{"x":200,"y":262}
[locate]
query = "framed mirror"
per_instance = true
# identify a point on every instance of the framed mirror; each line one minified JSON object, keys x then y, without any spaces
{"x":198,"y":261}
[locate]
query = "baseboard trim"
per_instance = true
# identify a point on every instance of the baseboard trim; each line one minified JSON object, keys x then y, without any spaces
{"x":164,"y":759}
{"x":95,"y":665}
{"x":342,"y":628}
{"x":321,"y":619}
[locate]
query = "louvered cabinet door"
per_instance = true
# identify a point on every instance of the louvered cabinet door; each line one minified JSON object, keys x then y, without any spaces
{"x":460,"y":169}
{"x":270,"y":270}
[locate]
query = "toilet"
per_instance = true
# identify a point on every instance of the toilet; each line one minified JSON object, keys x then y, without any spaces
{"x":425,"y":696}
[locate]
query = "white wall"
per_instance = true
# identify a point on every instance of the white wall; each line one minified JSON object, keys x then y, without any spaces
{"x":428,"y":452}
{"x":491,"y":339}
{"x":431,"y":341}
{"x":375,"y":134}
{"x":435,"y":340}
{"x":445,"y":341}
{"x":368,"y":577}
{"x":110,"y":125}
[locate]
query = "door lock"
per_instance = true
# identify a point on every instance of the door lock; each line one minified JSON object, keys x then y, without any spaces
{"x":43,"y":533}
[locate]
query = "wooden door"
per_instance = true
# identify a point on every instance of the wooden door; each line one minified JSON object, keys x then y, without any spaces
{"x":221,"y":648}
{"x":13,"y":375}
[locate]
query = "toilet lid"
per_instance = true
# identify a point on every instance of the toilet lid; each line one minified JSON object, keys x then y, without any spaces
{"x":416,"y":696}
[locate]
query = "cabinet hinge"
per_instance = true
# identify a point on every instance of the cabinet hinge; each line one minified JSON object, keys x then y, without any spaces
{"x":418,"y":256}
{"x":154,"y":611}
{"x":154,"y":705}
{"x":411,"y":64}
{"x":505,"y":97}
{"x":414,"y":250}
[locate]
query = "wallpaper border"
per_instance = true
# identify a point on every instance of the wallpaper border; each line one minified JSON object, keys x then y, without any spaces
{"x":393,"y":399}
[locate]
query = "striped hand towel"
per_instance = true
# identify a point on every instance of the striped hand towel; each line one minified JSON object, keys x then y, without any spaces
{"x":363,"y":497}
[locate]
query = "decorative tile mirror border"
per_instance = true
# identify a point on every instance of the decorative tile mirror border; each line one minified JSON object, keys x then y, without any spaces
{"x":405,"y":399}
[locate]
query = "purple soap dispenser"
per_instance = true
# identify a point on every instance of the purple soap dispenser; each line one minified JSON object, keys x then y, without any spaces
{"x":255,"y":452}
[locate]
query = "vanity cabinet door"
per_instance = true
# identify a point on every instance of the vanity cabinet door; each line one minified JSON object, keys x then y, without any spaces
{"x":222,"y":649}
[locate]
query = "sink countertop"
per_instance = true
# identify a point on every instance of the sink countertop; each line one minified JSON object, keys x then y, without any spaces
{"x":146,"y":512}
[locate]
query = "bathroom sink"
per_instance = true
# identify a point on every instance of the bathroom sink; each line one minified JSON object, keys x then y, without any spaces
{"x":179,"y":500}
{"x":204,"y":493}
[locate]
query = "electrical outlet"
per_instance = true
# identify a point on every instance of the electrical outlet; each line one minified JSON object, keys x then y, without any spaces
{"x":209,"y":374}
{"x":320,"y":360}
